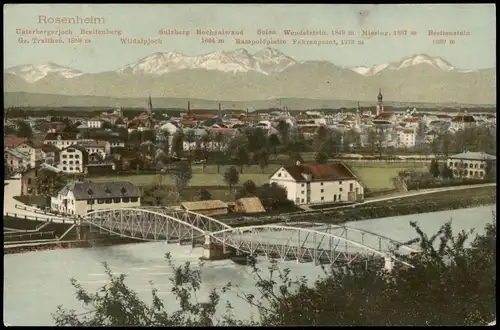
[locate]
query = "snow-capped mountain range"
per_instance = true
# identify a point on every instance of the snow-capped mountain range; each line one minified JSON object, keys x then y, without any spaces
{"x":32,"y":73}
{"x":267,"y":61}
{"x":410,"y":61}
{"x":267,"y":74}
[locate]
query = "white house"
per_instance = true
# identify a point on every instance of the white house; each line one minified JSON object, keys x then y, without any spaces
{"x":94,"y":122}
{"x":319,"y":183}
{"x":35,"y":153}
{"x":471,"y":165}
{"x":95,"y":149}
{"x":64,"y":139}
{"x":407,"y":137}
{"x":80,"y":198}
{"x":73,"y":159}
{"x":17,"y":161}
{"x":462,"y":122}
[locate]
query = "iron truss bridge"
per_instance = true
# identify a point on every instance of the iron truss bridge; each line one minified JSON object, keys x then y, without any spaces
{"x":304,"y":242}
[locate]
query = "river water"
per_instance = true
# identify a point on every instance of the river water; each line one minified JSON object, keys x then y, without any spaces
{"x":35,"y":283}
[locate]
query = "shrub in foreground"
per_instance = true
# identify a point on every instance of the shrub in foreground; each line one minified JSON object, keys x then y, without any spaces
{"x":449,"y":284}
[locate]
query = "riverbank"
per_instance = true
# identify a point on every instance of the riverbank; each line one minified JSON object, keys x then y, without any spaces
{"x":66,"y":244}
{"x":434,"y":202}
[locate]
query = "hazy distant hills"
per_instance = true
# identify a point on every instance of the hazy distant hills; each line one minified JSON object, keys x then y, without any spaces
{"x":21,"y":99}
{"x":239,"y":76}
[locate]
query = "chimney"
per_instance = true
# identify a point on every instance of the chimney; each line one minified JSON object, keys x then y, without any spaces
{"x":189,"y":107}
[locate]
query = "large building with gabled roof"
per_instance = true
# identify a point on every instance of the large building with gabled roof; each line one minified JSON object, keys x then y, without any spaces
{"x":319,"y":183}
{"x":79,"y":198}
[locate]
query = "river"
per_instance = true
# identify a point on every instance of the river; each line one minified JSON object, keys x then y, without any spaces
{"x":35,"y":283}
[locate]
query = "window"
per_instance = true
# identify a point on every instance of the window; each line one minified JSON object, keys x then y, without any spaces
{"x":109,"y":200}
{"x":70,"y":156}
{"x":351,"y":186}
{"x":77,"y":162}
{"x":322,"y":190}
{"x":302,"y":200}
{"x":65,"y":156}
{"x":64,"y":168}
{"x":64,"y":162}
{"x":29,"y":181}
{"x":340,"y":189}
{"x":90,"y":201}
{"x":321,"y":183}
{"x":77,"y":156}
{"x":340,"y":182}
{"x":340,"y":197}
{"x":482,"y":166}
{"x":133,"y":199}
{"x":71,"y":162}
{"x":71,"y":168}
{"x":116,"y":200}
{"x":100,"y":201}
{"x":471,"y":165}
{"x":475,"y":165}
{"x":125,"y":199}
{"x":279,"y":175}
{"x":302,"y":185}
{"x":302,"y":192}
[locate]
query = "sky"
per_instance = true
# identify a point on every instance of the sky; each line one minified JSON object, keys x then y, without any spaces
{"x":107,"y":52}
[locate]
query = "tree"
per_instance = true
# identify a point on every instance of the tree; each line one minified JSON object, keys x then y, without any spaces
{"x":24,"y":129}
{"x":182,"y":175}
{"x":322,"y":136}
{"x":6,"y":169}
{"x":263,"y":159}
{"x":204,"y":195}
{"x":178,"y":144}
{"x":449,"y":284}
{"x":283,"y":130}
{"x":134,"y":137}
{"x":155,"y":196}
{"x":190,"y":138}
{"x":231,"y":177}
{"x":48,"y":183}
{"x":371,"y":138}
{"x":220,"y":158}
{"x":434,"y":168}
{"x":242,"y":157}
{"x":489,"y":171}
{"x":446,"y":172}
{"x":250,"y":187}
{"x":274,"y":142}
{"x":321,"y":158}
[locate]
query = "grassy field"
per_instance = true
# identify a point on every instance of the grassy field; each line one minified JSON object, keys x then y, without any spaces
{"x":380,"y":178}
{"x":374,"y":178}
{"x":206,"y":177}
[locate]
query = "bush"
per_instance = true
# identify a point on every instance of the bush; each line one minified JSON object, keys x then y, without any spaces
{"x":448,"y":284}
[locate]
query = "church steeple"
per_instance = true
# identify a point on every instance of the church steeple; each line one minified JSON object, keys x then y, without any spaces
{"x":150,"y":105}
{"x":380,"y":103}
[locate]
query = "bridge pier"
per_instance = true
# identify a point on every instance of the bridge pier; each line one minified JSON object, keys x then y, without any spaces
{"x":214,"y":250}
{"x":389,"y":263}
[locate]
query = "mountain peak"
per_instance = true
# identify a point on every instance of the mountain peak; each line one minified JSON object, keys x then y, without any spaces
{"x":409,"y":61}
{"x":34,"y":72}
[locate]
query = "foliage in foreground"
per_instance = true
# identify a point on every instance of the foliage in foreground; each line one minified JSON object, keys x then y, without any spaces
{"x":449,"y":285}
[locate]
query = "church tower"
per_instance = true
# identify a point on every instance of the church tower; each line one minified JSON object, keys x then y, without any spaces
{"x":150,"y":105}
{"x":358,"y":118}
{"x":380,"y":103}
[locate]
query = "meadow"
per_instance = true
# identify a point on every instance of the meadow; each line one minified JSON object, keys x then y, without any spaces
{"x":374,"y":176}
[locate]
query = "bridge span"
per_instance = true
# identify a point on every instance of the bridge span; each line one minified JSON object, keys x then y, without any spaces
{"x":319,"y":243}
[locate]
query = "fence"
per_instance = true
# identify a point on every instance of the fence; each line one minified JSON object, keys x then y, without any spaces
{"x":43,"y":219}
